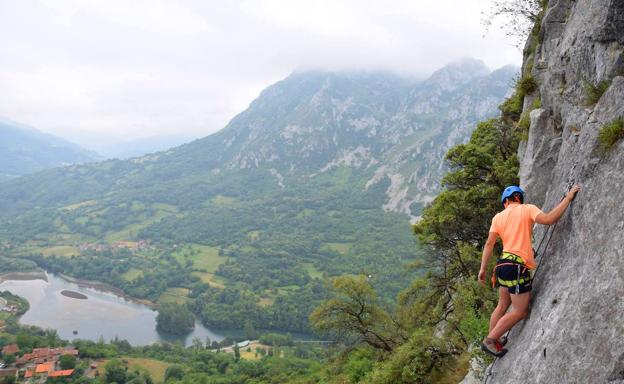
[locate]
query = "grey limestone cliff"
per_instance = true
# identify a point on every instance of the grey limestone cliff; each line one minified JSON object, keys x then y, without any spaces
{"x":575,"y":331}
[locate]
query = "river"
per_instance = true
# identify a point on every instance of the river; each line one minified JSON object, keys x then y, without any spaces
{"x":102,"y":314}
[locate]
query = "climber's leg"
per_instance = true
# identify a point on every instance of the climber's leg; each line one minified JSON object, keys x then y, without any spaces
{"x":504,"y":301}
{"x":519,"y":310}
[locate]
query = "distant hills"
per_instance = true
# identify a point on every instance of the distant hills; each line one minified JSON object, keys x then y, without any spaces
{"x":138,"y":147}
{"x":25,"y":150}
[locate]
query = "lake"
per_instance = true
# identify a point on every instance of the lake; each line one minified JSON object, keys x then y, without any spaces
{"x":101,"y":314}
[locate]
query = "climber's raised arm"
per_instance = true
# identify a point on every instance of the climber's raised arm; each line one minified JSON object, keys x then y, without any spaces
{"x":555,"y":214}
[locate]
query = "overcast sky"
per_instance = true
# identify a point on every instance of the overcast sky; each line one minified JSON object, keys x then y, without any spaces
{"x":122,"y":69}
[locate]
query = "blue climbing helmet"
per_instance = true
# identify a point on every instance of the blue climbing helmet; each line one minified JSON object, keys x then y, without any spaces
{"x":510,"y":191}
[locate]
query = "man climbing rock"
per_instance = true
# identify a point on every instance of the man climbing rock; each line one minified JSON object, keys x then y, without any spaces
{"x":512,"y":273}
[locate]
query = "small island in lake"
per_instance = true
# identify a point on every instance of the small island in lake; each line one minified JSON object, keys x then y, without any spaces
{"x":74,"y":295}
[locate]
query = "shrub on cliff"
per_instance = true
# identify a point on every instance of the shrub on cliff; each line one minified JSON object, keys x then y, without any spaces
{"x":527,"y":84}
{"x":610,"y":134}
{"x":593,"y":93}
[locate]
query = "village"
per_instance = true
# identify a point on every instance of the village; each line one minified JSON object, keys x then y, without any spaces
{"x":38,"y":365}
{"x":21,"y":363}
{"x":30,"y":366}
{"x":44,"y":365}
{"x":133,"y":246}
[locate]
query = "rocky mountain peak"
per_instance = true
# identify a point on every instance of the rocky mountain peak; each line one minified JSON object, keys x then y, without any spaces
{"x":383,"y":126}
{"x":458,"y":73}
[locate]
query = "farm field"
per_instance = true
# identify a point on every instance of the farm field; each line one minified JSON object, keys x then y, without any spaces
{"x":342,"y":248}
{"x":156,"y":368}
{"x":203,"y":257}
{"x":174,"y":295}
{"x":132,"y":230}
{"x":132,"y":274}
{"x":211,"y":279}
{"x":312,"y":271}
{"x":60,"y":250}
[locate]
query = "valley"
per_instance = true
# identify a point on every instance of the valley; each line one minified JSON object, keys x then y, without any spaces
{"x":340,"y":226}
{"x":317,"y":178}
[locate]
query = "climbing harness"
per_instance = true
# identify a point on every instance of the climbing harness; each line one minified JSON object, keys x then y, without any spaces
{"x":515,"y":262}
{"x":569,"y":185}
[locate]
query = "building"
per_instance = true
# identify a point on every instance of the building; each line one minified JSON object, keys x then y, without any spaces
{"x":64,"y":373}
{"x":44,"y":355}
{"x":11,"y":349}
{"x":44,"y":368}
{"x":45,"y":371}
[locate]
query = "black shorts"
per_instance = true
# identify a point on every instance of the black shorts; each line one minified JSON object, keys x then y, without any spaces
{"x":517,"y":278}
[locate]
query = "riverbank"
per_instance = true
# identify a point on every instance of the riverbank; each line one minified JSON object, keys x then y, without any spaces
{"x":104,"y":302}
{"x":104,"y":287}
{"x":103,"y":315}
{"x":33,"y":275}
{"x":97,"y":285}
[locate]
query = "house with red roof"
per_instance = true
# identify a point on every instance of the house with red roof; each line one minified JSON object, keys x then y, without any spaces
{"x":45,"y":355}
{"x":10,"y":349}
{"x":45,"y":371}
{"x":44,"y":368}
{"x":63,"y":373}
{"x":41,"y":363}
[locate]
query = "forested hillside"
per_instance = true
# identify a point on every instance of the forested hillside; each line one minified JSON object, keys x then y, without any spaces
{"x":314,"y":179}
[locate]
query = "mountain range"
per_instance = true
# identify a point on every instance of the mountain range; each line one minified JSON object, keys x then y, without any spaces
{"x":25,"y":150}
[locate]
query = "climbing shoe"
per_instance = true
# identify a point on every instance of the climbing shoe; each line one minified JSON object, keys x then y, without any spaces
{"x":493,"y":347}
{"x":503,"y":340}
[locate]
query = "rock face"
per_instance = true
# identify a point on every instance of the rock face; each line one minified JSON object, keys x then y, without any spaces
{"x":384,"y":126}
{"x":575,"y":331}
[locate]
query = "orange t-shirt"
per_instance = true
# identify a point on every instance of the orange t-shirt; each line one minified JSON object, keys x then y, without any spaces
{"x":514,"y":225}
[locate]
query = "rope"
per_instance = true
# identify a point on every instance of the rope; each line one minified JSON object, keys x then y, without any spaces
{"x":570,"y":183}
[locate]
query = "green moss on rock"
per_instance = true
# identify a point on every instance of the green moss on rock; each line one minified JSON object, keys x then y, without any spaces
{"x":610,"y":134}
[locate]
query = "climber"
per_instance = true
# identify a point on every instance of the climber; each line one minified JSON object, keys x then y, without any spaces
{"x":513,"y":270}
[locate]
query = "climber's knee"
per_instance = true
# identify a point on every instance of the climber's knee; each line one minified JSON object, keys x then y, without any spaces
{"x":520,"y":304}
{"x":523,"y":314}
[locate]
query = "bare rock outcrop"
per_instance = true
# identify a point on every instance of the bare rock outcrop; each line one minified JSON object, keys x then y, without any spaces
{"x":575,"y":332}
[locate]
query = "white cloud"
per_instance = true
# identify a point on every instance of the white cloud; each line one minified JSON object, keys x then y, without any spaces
{"x":166,"y":17}
{"x":127,"y":69}
{"x":342,"y":19}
